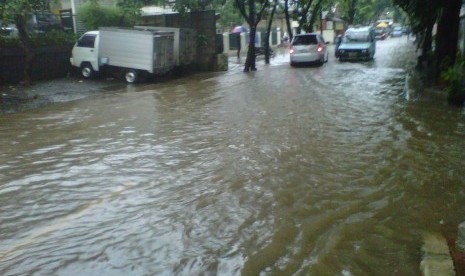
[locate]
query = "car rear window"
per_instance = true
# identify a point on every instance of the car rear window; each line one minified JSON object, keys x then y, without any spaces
{"x":305,"y":40}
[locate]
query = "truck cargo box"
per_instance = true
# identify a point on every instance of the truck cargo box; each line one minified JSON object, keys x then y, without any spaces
{"x":184,"y":43}
{"x":137,"y":49}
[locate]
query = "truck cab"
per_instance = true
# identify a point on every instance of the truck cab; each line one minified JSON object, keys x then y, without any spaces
{"x":85,"y":54}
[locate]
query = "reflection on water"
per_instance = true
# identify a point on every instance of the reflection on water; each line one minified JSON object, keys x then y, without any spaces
{"x":328,"y":171}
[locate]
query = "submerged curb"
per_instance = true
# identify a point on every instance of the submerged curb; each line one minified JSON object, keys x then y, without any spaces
{"x":436,"y":257}
{"x":460,"y":243}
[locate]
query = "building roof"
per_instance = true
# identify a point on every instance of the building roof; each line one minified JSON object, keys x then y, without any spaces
{"x":155,"y":10}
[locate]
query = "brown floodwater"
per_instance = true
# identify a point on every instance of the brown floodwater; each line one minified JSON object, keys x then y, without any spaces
{"x":332,"y":170}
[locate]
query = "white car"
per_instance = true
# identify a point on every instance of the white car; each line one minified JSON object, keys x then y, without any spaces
{"x":307,"y":48}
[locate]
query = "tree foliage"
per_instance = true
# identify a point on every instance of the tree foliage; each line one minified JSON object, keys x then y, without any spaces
{"x":363,"y":12}
{"x":301,"y":10}
{"x":229,"y":14}
{"x":195,"y":5}
{"x":95,"y":16}
{"x":423,"y":14}
{"x":14,"y":10}
{"x":317,"y":8}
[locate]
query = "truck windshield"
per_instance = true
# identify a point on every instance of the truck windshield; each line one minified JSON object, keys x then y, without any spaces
{"x":87,"y":41}
{"x":355,"y":37}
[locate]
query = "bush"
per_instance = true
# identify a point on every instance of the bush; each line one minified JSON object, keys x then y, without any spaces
{"x":52,"y":38}
{"x":454,"y":79}
{"x":94,"y":16}
{"x":7,"y":41}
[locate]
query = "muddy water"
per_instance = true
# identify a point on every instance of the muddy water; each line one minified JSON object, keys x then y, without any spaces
{"x":320,"y":171}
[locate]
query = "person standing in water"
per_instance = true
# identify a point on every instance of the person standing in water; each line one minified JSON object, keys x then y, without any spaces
{"x":238,"y":42}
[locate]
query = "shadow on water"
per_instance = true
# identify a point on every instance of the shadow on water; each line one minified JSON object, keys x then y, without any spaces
{"x":307,"y":64}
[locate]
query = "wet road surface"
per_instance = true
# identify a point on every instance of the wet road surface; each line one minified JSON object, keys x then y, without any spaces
{"x":329,"y":170}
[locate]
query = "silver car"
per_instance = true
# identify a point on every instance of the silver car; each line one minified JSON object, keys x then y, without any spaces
{"x":307,"y":48}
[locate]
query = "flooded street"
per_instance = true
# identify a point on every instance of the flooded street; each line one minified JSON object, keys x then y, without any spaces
{"x":331,"y":170}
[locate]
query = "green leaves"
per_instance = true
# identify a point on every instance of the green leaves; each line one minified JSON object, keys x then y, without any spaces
{"x":95,"y":16}
{"x":9,"y":9}
{"x":14,"y":8}
{"x":363,"y":11}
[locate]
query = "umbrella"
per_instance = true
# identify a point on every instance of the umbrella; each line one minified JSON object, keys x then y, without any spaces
{"x":382,"y":25}
{"x":239,"y":29}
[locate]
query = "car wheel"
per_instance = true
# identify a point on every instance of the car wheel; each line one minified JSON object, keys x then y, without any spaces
{"x":131,"y":76}
{"x":87,"y":71}
{"x":292,"y":64}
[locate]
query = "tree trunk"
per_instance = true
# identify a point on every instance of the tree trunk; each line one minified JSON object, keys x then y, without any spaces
{"x":288,"y":19}
{"x":26,"y":43}
{"x":427,"y":45}
{"x":250,"y":61}
{"x":304,"y":15}
{"x":267,"y":37}
{"x":352,"y":10}
{"x":447,"y":35}
{"x":315,"y":14}
{"x":311,"y":23}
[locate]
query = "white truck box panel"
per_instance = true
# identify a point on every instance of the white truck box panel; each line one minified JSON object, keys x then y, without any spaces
{"x":127,"y":48}
{"x":184,"y":43}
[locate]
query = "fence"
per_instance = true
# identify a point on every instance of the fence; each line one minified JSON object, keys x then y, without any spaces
{"x":48,"y":63}
{"x":230,"y":40}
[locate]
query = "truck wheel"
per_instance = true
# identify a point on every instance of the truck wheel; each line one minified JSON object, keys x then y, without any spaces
{"x":131,"y":76}
{"x":87,"y":71}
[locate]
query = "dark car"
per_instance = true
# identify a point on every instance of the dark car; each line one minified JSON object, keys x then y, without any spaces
{"x":380,"y":34}
{"x":406,"y":30}
{"x":40,"y":22}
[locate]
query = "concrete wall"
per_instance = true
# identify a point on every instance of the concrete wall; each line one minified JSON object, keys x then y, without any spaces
{"x":204,"y":25}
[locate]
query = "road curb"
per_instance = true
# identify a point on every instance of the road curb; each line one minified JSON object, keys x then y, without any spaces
{"x":436,"y":258}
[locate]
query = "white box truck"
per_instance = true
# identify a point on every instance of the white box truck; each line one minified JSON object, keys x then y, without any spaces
{"x":127,"y":52}
{"x":184,"y":43}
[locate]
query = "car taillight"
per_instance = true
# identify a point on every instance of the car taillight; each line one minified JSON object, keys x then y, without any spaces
{"x":320,"y":48}
{"x":291,"y":50}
